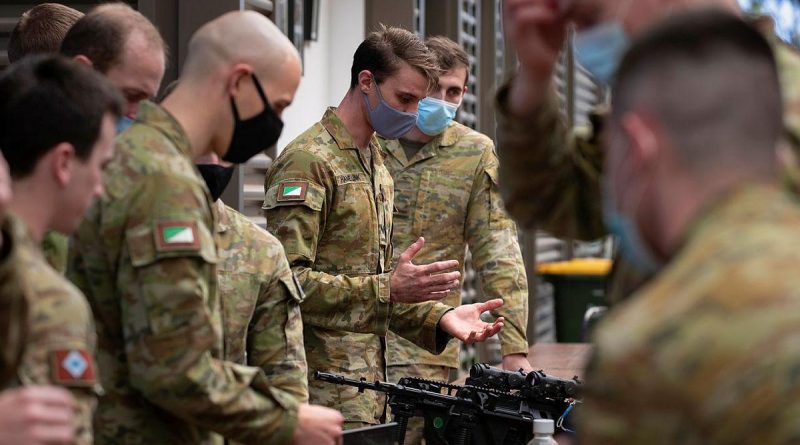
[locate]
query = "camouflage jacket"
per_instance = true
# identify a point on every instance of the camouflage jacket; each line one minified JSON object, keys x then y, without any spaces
{"x":448,"y":193}
{"x":60,"y":341}
{"x":330,"y":204}
{"x":13,"y":303}
{"x":550,"y":177}
{"x":706,"y":352}
{"x":146,"y":259}
{"x":260,"y":301}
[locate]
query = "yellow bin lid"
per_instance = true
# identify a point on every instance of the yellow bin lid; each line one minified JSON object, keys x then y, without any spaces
{"x":577,"y":266}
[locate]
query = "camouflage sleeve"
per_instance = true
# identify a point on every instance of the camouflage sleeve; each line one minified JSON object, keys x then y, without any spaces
{"x":275,"y":335}
{"x":55,"y":248}
{"x":496,"y":256}
{"x":13,"y":307}
{"x":60,"y":349}
{"x":167,"y":326}
{"x":549,"y":178}
{"x":340,"y":302}
{"x":405,"y":322}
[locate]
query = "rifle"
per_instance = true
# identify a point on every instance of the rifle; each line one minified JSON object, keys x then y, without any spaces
{"x":494,"y":407}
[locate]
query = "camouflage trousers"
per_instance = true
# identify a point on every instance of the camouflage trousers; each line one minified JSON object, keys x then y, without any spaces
{"x":416,"y":425}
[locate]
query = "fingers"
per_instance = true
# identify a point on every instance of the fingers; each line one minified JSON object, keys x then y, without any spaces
{"x":489,"y":305}
{"x":50,"y":395}
{"x":488,"y":331}
{"x":442,"y":288}
{"x":440,"y":279}
{"x":412,"y":250}
{"x":438,"y":266}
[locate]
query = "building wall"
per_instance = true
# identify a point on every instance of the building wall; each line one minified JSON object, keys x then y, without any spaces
{"x":326,"y":65}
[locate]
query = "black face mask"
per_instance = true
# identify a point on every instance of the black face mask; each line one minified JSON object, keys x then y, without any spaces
{"x":217,"y":178}
{"x":254,"y":135}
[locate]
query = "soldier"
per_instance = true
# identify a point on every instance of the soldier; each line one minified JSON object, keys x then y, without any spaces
{"x":57,"y":124}
{"x":705,"y":353}
{"x":123,"y":45}
{"x":553,"y":181}
{"x":329,"y":200}
{"x":259,"y":294}
{"x":35,"y":415}
{"x":146,"y":255}
{"x":445,"y":177}
{"x":114,"y":39}
{"x":41,"y":30}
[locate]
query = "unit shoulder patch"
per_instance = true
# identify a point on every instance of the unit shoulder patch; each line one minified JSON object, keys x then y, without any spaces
{"x":177,"y":235}
{"x":72,"y":367}
{"x":292,"y":191}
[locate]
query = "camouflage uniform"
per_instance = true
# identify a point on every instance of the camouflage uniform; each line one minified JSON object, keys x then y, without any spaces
{"x":448,"y":193}
{"x":60,"y":340}
{"x":260,"y":301}
{"x":13,"y":304}
{"x":146,"y":259}
{"x":706,"y":352}
{"x":330,"y":204}
{"x":55,"y":247}
{"x":550,"y":178}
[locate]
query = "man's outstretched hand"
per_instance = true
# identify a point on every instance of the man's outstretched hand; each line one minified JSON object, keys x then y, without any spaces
{"x":465,"y":324}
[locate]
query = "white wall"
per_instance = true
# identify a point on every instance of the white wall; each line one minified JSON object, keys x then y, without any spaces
{"x":326,"y":68}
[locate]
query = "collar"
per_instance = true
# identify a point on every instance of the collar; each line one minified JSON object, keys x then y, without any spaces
{"x":157,"y":117}
{"x":449,"y":137}
{"x":337,"y":130}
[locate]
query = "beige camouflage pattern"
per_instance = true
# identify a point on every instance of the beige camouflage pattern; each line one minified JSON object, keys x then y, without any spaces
{"x":707,"y":351}
{"x":550,"y":177}
{"x":13,"y":304}
{"x":448,"y":193}
{"x":337,"y":240}
{"x":260,"y":306}
{"x":415,"y":430}
{"x":59,"y":319}
{"x":158,"y":314}
{"x":55,"y":247}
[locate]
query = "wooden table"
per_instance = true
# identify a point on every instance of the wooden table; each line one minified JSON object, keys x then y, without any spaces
{"x":564,"y":360}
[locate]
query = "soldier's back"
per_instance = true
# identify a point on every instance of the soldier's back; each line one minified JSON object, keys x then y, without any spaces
{"x":707,"y":351}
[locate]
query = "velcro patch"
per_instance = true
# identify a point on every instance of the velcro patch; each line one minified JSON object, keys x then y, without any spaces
{"x":350,"y":178}
{"x":72,"y":367}
{"x":292,"y":191}
{"x":177,"y":235}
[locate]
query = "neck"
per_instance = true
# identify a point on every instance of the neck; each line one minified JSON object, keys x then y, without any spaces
{"x":416,"y":135}
{"x":686,"y":200}
{"x":353,"y":116}
{"x":199,"y":123}
{"x":31,"y":206}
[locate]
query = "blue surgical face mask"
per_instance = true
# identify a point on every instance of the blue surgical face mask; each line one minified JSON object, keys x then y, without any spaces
{"x":435,"y":115}
{"x":600,"y":48}
{"x":632,"y":246}
{"x":123,"y":123}
{"x":389,"y":122}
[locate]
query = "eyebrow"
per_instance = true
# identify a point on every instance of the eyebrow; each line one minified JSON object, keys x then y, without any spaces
{"x":408,"y":93}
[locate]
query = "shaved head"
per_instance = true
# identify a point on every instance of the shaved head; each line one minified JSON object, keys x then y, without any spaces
{"x":239,"y":37}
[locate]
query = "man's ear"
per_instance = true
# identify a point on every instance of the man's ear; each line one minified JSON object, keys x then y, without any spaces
{"x":80,"y":58}
{"x":62,"y":159}
{"x":365,"y":80}
{"x":239,"y":72}
{"x":644,"y":137}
